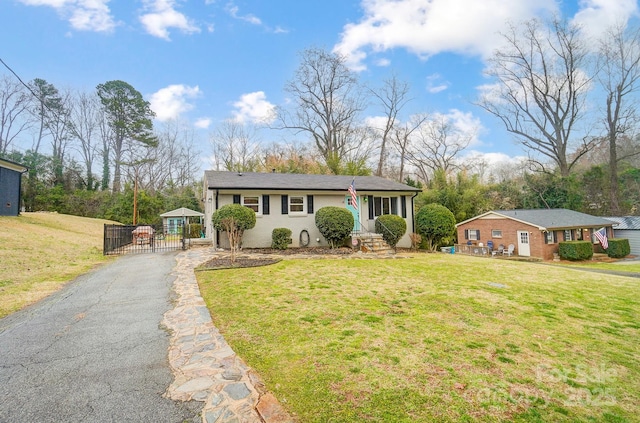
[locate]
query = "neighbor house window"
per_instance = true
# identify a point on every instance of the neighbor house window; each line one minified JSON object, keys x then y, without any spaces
{"x":568,"y":236}
{"x":252,"y":202}
{"x":472,"y":234}
{"x":550,"y":237}
{"x":296,"y":204}
{"x":496,"y":233}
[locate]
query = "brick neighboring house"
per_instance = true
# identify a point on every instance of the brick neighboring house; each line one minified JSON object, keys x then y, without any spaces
{"x":287,"y":200}
{"x":534,"y":233}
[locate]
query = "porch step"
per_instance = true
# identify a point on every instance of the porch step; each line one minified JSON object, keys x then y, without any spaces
{"x":373,"y":243}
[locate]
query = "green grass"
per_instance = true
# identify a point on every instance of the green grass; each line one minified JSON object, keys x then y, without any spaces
{"x":435,"y":338}
{"x":40,"y":252}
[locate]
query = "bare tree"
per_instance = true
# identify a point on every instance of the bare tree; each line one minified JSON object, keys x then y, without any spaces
{"x":436,"y":145}
{"x":235,"y":147}
{"x":402,"y":134}
{"x":619,"y":77}
{"x":84,"y":123}
{"x":392,"y":97}
{"x":540,"y":89}
{"x":328,"y":101}
{"x":14,"y":108}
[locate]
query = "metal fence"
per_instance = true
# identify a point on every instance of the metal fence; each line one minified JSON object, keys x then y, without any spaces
{"x":124,"y":239}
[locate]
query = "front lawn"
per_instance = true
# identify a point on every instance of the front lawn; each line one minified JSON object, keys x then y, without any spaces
{"x":437,"y":337}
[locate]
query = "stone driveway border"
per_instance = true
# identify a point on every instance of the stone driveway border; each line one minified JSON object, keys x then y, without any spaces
{"x":204,"y":366}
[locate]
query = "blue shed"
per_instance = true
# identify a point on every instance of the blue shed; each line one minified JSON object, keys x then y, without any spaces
{"x":10,"y":187}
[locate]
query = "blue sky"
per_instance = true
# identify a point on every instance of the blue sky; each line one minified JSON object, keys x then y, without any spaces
{"x":203,"y":61}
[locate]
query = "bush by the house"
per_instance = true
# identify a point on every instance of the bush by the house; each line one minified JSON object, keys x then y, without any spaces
{"x":195,"y":230}
{"x":618,"y":248}
{"x":335,"y":224}
{"x":435,"y":223}
{"x":575,"y":250}
{"x":280,"y":238}
{"x":391,"y":227}
{"x":234,"y":219}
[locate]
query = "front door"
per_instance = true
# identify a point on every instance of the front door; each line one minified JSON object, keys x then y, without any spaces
{"x":523,"y":244}
{"x":354,"y":211}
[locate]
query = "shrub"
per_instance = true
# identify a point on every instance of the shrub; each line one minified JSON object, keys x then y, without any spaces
{"x":618,"y":248}
{"x":416,"y":240}
{"x":234,"y":219}
{"x":575,"y":250}
{"x":280,"y":238}
{"x":334,"y":223}
{"x":435,"y":223}
{"x":195,"y":230}
{"x":391,"y":227}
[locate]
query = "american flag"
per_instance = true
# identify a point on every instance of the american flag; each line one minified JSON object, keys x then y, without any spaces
{"x":354,"y":195}
{"x":601,"y":234}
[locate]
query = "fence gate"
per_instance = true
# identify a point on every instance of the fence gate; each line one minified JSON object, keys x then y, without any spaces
{"x":124,"y":239}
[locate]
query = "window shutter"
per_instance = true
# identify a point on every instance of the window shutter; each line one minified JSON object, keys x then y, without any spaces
{"x":285,"y":204}
{"x":555,"y":237}
{"x":370,"y":207}
{"x":265,"y":204}
{"x":546,"y":239}
{"x":310,"y":204}
{"x":403,"y":206}
{"x":236,"y":198}
{"x":564,"y":236}
{"x":466,"y":234}
{"x":478,"y":234}
{"x":394,"y":205}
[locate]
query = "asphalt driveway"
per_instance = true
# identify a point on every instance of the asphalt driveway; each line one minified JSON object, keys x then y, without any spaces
{"x":95,"y":351}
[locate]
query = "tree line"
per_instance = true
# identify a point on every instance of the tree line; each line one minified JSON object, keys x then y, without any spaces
{"x":569,"y":100}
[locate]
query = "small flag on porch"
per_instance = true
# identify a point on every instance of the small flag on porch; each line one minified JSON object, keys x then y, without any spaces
{"x":601,"y":234}
{"x":354,"y":195}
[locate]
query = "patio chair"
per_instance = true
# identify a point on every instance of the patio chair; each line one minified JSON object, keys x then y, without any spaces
{"x":499,"y":251}
{"x":509,"y":251}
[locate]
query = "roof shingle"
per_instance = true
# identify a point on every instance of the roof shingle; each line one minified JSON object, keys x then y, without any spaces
{"x":292,"y":181}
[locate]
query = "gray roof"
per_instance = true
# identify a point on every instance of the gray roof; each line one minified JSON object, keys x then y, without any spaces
{"x":626,"y":223}
{"x":556,"y":218}
{"x":293,"y":181}
{"x":182,"y":212}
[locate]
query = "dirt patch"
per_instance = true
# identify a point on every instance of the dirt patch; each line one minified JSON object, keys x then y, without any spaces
{"x":240,"y":262}
{"x":322,"y":251}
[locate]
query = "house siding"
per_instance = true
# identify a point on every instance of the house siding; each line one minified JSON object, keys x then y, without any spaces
{"x":10,"y":181}
{"x":260,"y":235}
{"x":633,"y":236}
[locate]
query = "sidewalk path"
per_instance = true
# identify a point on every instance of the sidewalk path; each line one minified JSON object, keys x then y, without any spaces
{"x":95,"y":351}
{"x":205,"y":367}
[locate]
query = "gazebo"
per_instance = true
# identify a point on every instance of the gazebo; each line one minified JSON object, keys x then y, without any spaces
{"x":182,"y":217}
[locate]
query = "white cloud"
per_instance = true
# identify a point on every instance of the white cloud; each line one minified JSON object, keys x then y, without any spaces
{"x":83,"y":15}
{"x":435,"y":85}
{"x":595,"y":16}
{"x":203,"y":123}
{"x":254,"y":107}
{"x":428,"y":27}
{"x":233,"y":11}
{"x":463,"y":123}
{"x":162,"y":15}
{"x":170,"y":102}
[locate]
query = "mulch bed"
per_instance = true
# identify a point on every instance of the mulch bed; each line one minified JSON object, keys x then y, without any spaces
{"x":250,"y":257}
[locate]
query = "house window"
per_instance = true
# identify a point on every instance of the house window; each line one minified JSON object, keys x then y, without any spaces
{"x":472,"y":234}
{"x":381,"y":205}
{"x":549,"y":237}
{"x":496,"y":233}
{"x":296,"y":204}
{"x":252,"y":202}
{"x":568,"y":236}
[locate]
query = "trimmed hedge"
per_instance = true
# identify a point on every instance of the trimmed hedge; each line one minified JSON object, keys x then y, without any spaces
{"x":280,"y":238}
{"x":391,"y":227}
{"x":435,"y":223}
{"x":575,"y":250}
{"x":335,"y":224}
{"x":618,"y":248}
